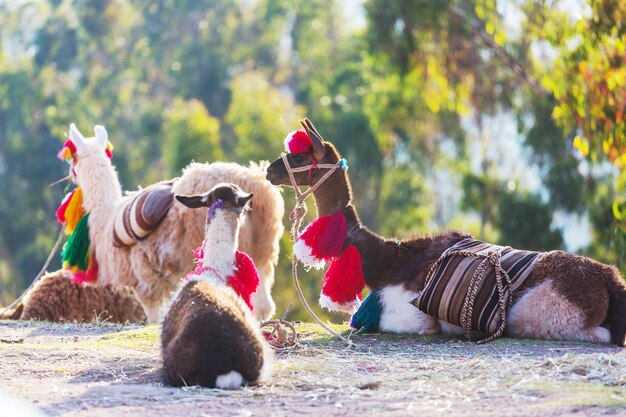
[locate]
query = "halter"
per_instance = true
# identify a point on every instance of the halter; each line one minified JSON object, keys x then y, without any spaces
{"x":301,"y":196}
{"x":296,"y":216}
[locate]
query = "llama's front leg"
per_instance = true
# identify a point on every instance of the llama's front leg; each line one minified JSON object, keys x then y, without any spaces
{"x":398,"y":315}
{"x":264,"y":306}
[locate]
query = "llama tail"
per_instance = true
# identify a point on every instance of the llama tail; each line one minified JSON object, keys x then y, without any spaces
{"x":617,"y":309}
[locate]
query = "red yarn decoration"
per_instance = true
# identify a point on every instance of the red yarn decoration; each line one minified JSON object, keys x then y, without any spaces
{"x":88,"y":276}
{"x":344,"y":282}
{"x":298,"y":142}
{"x":246,"y":279}
{"x":326,"y":235}
{"x":60,"y":213}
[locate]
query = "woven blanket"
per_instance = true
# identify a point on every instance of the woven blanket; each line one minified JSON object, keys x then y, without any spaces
{"x":142,"y":213}
{"x":462,"y":287}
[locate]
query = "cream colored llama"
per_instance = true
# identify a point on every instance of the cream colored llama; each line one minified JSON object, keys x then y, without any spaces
{"x":153,"y":266}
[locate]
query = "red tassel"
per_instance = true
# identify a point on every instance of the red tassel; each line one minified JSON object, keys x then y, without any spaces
{"x":326,"y":235}
{"x":246,"y":279}
{"x":344,"y":282}
{"x":60,"y":213}
{"x":298,"y":142}
{"x":88,"y":276}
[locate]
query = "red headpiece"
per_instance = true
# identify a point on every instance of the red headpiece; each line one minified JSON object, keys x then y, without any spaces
{"x":298,"y":142}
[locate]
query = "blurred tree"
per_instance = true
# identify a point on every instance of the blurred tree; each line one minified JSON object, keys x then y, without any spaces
{"x":189,"y":133}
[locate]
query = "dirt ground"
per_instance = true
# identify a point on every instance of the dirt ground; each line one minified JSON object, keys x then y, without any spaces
{"x":114,"y":370}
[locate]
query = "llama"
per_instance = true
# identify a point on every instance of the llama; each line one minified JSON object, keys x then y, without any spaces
{"x":209,"y":336}
{"x":152,"y":267}
{"x":565,"y":296}
{"x":55,"y":298}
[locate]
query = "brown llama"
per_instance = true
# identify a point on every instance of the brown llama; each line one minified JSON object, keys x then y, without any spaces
{"x":209,"y":336}
{"x":55,"y":298}
{"x":565,"y":296}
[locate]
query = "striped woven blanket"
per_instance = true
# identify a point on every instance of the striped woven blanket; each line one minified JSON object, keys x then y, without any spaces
{"x":472,"y":283}
{"x":142,"y":213}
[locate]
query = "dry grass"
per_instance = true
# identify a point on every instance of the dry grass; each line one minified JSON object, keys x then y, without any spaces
{"x":113,"y":370}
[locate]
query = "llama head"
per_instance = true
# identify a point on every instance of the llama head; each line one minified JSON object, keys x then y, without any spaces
{"x":305,"y":148}
{"x":81,"y":152}
{"x":227,"y":198}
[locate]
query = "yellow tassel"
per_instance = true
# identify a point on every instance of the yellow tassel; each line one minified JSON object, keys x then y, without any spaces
{"x":74,"y":211}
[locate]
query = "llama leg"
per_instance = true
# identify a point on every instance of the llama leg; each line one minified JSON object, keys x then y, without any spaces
{"x":231,"y":380}
{"x":151,"y":307}
{"x":544,"y":313}
{"x":400,"y":316}
{"x":264,"y":306}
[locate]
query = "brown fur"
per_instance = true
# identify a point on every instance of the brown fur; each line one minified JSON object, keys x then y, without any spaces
{"x":596,"y":291}
{"x":55,"y":298}
{"x":205,"y":334}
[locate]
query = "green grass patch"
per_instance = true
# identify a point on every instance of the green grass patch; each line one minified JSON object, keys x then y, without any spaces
{"x":578,"y":394}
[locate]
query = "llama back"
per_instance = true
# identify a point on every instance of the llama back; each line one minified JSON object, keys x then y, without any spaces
{"x":209,"y":338}
{"x":56,"y":298}
{"x":259,"y":235}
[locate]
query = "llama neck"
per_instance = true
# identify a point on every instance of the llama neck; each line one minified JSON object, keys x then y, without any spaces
{"x":334,"y":194}
{"x":378,"y":254}
{"x":99,"y":182}
{"x":220,"y":245}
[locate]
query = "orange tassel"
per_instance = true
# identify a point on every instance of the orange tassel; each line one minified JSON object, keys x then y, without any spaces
{"x":74,"y":211}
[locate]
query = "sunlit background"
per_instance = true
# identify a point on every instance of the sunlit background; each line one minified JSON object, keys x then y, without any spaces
{"x":500,"y":118}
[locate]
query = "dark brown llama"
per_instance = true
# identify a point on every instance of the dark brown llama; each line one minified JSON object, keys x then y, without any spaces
{"x":209,"y":336}
{"x":565,"y":297}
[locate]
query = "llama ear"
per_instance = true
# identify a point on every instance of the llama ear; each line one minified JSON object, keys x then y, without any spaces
{"x":318,"y":142}
{"x":193,"y":201}
{"x":243,"y":198}
{"x":101,"y":135}
{"x":77,"y":138}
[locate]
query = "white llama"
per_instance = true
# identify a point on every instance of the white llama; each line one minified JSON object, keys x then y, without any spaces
{"x":154,"y":265}
{"x":209,"y":336}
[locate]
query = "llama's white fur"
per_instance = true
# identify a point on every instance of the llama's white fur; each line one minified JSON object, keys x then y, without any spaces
{"x":153,"y":267}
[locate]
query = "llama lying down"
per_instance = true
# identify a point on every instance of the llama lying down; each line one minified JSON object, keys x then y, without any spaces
{"x":55,"y":298}
{"x":552,"y":295}
{"x":209,"y":336}
{"x":153,"y":263}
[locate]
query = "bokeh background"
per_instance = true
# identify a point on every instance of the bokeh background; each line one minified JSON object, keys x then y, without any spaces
{"x":503,"y":118}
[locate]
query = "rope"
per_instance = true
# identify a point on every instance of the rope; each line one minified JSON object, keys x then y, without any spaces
{"x":296,"y":216}
{"x":503,"y":285}
{"x":283,"y":335}
{"x":39,"y":275}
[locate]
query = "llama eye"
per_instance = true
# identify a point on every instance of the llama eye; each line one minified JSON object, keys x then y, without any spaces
{"x":298,"y":158}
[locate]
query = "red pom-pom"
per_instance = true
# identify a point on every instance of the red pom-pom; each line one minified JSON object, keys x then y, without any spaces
{"x":298,"y":142}
{"x":88,"y":276}
{"x":344,"y":282}
{"x":322,"y":239}
{"x":60,"y":213}
{"x":246,"y":279}
{"x":70,"y":145}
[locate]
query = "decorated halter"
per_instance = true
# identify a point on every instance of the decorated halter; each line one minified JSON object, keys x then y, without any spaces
{"x":296,"y":142}
{"x":323,"y":240}
{"x":77,"y":257}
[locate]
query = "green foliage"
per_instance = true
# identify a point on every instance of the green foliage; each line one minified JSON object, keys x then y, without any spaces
{"x":175,"y":81}
{"x":190,"y":133}
{"x":261,"y":116}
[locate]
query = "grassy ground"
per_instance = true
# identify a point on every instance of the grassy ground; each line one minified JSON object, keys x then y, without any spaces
{"x":113,"y":370}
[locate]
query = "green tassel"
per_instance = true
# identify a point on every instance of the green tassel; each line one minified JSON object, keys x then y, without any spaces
{"x":367,"y":316}
{"x":76,"y":250}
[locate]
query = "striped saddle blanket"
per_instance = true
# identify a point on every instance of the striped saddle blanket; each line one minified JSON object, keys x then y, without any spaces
{"x":472,"y":283}
{"x":142,"y":213}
